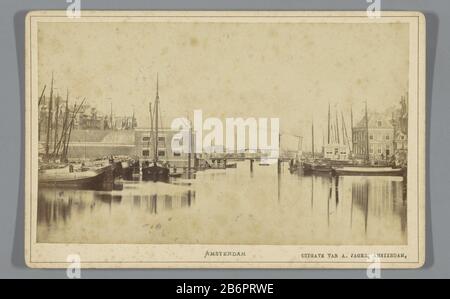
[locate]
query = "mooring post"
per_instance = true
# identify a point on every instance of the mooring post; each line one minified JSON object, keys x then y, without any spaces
{"x":251,"y":165}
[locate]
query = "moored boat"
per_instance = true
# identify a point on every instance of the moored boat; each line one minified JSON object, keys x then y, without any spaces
{"x":324,"y":166}
{"x":370,"y":166}
{"x":367,"y":171}
{"x":83,"y":178}
{"x":335,"y":151}
{"x":155,"y":171}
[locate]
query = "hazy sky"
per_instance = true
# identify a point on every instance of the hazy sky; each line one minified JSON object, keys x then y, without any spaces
{"x":291,"y":71}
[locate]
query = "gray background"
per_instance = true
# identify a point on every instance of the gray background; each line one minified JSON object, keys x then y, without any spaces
{"x":12,"y":13}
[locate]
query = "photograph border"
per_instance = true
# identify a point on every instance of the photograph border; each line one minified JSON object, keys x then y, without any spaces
{"x":39,"y":255}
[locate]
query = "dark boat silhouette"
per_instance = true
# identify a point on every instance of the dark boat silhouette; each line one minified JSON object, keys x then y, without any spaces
{"x":100,"y":178}
{"x":155,"y":171}
{"x":367,"y":171}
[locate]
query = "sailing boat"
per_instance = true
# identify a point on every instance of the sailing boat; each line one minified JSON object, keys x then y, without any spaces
{"x":155,"y":171}
{"x":81,"y":177}
{"x":335,"y":151}
{"x":313,"y":165}
{"x":54,"y":168}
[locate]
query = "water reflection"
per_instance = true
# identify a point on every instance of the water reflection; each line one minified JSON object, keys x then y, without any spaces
{"x":233,"y":206}
{"x":61,"y":213}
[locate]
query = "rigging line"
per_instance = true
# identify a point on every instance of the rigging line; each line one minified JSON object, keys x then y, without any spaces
{"x":42,"y":95}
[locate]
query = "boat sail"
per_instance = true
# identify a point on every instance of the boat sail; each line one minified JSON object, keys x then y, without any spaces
{"x":156,"y":171}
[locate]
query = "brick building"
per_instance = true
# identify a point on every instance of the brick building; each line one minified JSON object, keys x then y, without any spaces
{"x":380,"y":132}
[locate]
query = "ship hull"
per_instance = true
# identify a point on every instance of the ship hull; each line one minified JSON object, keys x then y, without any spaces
{"x":368,"y":171}
{"x":325,"y":167}
{"x":155,"y":173}
{"x":99,"y":179}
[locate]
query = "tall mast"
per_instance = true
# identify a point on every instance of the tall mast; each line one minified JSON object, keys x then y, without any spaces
{"x":344,"y":128}
{"x":351,"y":124}
{"x":329,"y":115}
{"x":151,"y":122}
{"x":41,"y":98}
{"x":49,"y":120}
{"x":69,"y":133}
{"x":344,"y":133}
{"x":151,"y":117}
{"x":156,"y":118}
{"x":56,"y":123}
{"x":367,"y":135}
{"x":64,"y":127}
{"x":111,"y":116}
{"x":337,"y":128}
{"x":312,"y":144}
{"x":72,"y":121}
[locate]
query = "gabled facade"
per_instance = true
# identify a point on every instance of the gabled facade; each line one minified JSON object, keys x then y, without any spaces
{"x":380,"y":134}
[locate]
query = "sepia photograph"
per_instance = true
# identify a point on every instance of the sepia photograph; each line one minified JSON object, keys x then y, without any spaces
{"x":225,"y":139}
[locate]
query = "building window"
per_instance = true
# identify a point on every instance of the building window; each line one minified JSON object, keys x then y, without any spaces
{"x":387,"y":137}
{"x":145,"y":153}
{"x":146,"y":138}
{"x":379,"y":150}
{"x":161,"y":153}
{"x":162,"y":139}
{"x":379,"y":123}
{"x":371,"y":148}
{"x":371,"y":137}
{"x":176,"y":154}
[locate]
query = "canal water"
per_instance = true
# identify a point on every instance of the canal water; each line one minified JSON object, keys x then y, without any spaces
{"x":233,"y":206}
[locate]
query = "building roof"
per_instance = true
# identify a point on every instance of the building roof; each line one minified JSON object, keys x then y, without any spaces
{"x":376,"y":121}
{"x":103,"y":136}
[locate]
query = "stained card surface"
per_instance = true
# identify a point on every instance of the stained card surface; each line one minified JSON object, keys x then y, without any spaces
{"x":225,"y":139}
